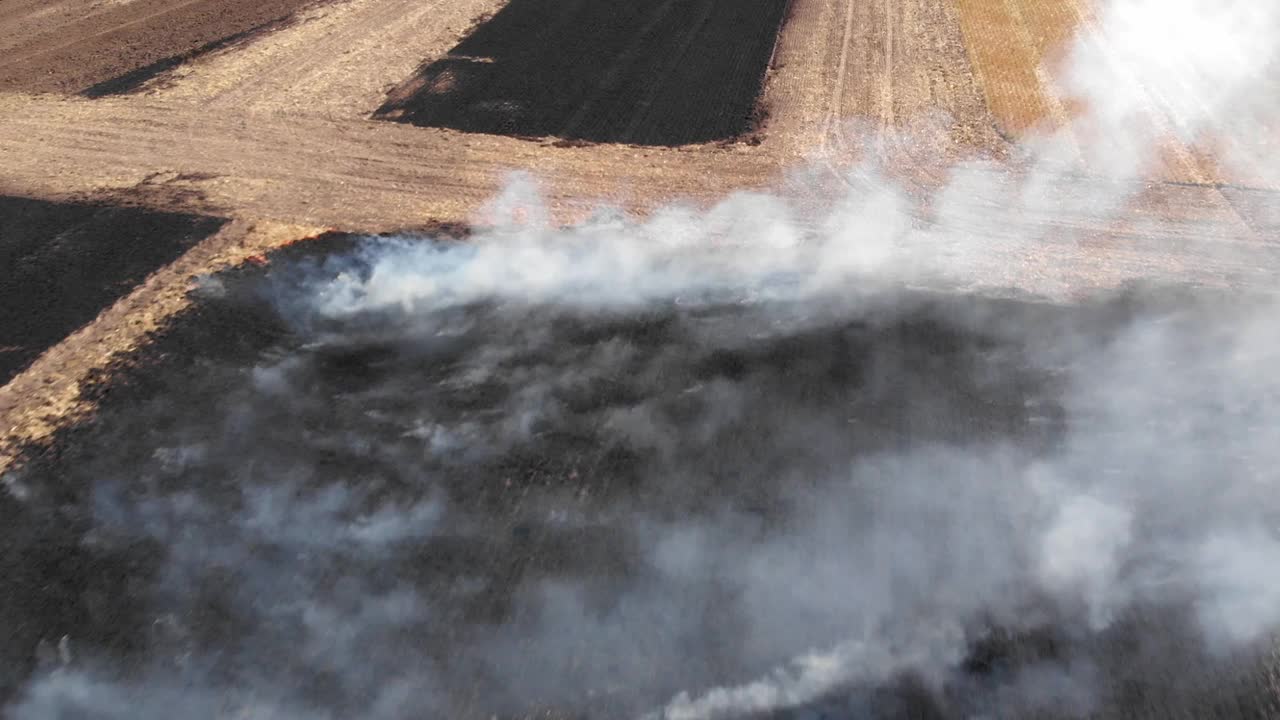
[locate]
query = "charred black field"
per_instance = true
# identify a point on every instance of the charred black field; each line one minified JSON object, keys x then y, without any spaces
{"x":302,"y":503}
{"x":66,"y":262}
{"x":655,"y":72}
{"x":725,"y":360}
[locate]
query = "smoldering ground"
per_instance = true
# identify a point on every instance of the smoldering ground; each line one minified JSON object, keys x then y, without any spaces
{"x":721,"y":464}
{"x":415,"y":478}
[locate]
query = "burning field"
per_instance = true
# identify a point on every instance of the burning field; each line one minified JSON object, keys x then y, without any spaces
{"x":884,"y":374}
{"x":409,"y":477}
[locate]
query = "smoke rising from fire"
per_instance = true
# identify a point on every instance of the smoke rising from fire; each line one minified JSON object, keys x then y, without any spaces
{"x":711,"y":464}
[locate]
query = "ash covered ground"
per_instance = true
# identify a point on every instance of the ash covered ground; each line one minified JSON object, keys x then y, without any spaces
{"x":394,"y":478}
{"x":712,"y":465}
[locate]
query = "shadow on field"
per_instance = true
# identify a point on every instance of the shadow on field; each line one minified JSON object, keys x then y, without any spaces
{"x":650,"y":72}
{"x":66,"y":262}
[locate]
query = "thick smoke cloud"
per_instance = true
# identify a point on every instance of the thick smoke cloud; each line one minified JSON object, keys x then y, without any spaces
{"x":725,"y":463}
{"x":1195,"y":70}
{"x":710,"y":502}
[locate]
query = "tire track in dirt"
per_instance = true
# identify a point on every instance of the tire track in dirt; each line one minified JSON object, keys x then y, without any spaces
{"x":842,"y":71}
{"x":832,"y":152}
{"x":306,"y":67}
{"x":276,"y":130}
{"x":887,"y":87}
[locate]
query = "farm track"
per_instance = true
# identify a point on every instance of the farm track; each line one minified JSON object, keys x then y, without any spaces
{"x":63,"y":263}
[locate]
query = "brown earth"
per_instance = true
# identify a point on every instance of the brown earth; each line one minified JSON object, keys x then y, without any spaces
{"x":1019,"y":50}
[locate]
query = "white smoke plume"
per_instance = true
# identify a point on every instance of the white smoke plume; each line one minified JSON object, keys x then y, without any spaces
{"x":740,"y":462}
{"x":1195,"y":70}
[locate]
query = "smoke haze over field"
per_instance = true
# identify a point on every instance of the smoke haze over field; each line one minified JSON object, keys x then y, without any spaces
{"x":711,"y":500}
{"x":712,"y":464}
